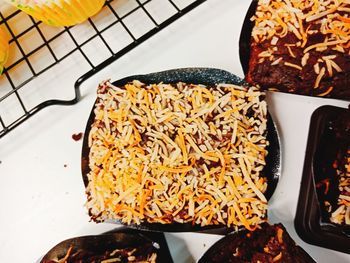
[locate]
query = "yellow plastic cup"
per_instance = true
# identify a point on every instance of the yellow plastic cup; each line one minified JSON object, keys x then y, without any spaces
{"x":4,"y":49}
{"x":59,"y":12}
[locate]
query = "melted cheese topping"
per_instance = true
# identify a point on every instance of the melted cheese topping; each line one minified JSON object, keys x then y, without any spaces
{"x":178,"y":153}
{"x":274,"y":19}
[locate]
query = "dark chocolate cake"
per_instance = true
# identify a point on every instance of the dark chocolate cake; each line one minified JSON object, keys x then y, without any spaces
{"x":301,"y":47}
{"x":270,"y":243}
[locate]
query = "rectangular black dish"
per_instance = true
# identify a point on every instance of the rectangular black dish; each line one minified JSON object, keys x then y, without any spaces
{"x":311,"y":222}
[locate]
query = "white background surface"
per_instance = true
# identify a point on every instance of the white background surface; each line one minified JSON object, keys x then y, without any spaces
{"x":42,"y":202}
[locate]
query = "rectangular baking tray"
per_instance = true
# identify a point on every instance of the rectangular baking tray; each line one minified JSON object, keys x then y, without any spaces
{"x":308,"y":222}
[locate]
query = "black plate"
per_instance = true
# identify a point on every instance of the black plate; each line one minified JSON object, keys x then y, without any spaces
{"x":119,"y":238}
{"x":245,"y":37}
{"x":223,"y":249}
{"x":310,"y":222}
{"x":206,"y":76}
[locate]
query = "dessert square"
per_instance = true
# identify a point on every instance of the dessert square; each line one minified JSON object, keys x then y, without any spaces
{"x":178,"y":153}
{"x":301,"y":47}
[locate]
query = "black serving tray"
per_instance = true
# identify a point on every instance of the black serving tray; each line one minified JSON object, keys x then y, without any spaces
{"x":119,"y":238}
{"x":310,"y":223}
{"x":245,"y":37}
{"x":210,"y":77}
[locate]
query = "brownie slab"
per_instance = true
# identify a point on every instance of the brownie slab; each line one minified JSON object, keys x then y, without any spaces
{"x":301,"y":47}
{"x":270,"y":243}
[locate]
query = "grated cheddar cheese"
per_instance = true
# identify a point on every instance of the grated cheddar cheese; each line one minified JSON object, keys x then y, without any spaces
{"x":178,"y":153}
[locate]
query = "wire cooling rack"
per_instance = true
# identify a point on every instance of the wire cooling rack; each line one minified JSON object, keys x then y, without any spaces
{"x":36,"y":49}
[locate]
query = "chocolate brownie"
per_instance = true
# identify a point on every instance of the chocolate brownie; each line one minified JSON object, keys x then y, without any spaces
{"x":270,"y":243}
{"x":301,"y":47}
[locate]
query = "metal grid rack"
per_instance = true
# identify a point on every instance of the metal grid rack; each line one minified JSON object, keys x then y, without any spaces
{"x":23,"y":68}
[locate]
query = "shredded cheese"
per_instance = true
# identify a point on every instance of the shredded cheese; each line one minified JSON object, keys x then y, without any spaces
{"x":178,"y":153}
{"x":292,"y":65}
{"x":305,"y":59}
{"x":319,"y":78}
{"x":329,"y":90}
{"x":276,"y":62}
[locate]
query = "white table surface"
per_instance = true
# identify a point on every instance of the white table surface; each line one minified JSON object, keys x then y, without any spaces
{"x":42,"y":201}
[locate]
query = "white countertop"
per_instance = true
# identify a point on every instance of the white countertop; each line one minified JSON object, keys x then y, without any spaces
{"x":42,"y":201}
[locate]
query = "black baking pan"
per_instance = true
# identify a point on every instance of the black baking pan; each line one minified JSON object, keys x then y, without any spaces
{"x":245,"y":37}
{"x":312,"y":220}
{"x":245,"y":244}
{"x":331,"y":154}
{"x":116,"y":239}
{"x":210,"y":77}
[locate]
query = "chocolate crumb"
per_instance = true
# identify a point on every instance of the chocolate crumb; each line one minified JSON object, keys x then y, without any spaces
{"x":77,"y":136}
